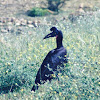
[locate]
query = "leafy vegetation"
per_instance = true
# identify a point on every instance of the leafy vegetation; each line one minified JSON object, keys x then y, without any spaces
{"x":38,"y":12}
{"x":21,"y":56}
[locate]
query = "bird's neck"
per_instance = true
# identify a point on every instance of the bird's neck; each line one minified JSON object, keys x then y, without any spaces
{"x":59,"y":42}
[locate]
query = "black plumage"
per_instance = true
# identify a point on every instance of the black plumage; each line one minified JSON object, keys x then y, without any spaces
{"x":53,"y":59}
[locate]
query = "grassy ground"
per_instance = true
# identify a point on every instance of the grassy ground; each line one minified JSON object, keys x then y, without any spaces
{"x":22,"y":54}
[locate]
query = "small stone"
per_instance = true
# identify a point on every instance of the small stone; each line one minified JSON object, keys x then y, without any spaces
{"x":17,"y":20}
{"x":13,"y":19}
{"x":9,"y":28}
{"x":4,"y":21}
{"x":30,"y":25}
{"x":29,"y":22}
{"x":9,"y":23}
{"x":1,"y":24}
{"x":17,"y":24}
{"x":23,"y":22}
{"x":22,"y":19}
{"x":4,"y":31}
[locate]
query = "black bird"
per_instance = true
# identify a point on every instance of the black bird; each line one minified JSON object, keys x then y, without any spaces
{"x":53,"y":59}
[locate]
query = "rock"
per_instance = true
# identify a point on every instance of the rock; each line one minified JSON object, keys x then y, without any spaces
{"x":9,"y":23}
{"x":3,"y":21}
{"x":23,"y":22}
{"x":1,"y":24}
{"x":4,"y":31}
{"x":30,"y":25}
{"x":9,"y":28}
{"x":29,"y":22}
{"x":17,"y":24}
{"x":12,"y":19}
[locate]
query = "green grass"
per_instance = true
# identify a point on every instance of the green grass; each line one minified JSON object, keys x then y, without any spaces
{"x":21,"y":56}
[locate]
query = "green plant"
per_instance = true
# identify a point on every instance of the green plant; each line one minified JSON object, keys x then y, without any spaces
{"x":38,"y":12}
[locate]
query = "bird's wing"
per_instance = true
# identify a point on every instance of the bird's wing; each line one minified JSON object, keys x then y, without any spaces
{"x":50,"y":63}
{"x":59,"y":56}
{"x":43,"y":70}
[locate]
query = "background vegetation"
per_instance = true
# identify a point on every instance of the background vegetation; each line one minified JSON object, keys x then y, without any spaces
{"x":22,"y":51}
{"x":38,"y":12}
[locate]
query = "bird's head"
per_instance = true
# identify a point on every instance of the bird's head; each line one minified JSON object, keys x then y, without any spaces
{"x":54,"y":33}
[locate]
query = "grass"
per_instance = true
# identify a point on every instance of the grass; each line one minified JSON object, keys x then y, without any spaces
{"x":21,"y":56}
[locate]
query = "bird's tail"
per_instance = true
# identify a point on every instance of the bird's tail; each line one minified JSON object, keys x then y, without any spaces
{"x":35,"y":87}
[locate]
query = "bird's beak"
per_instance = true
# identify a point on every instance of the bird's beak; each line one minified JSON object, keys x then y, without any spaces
{"x":50,"y":35}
